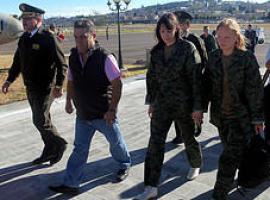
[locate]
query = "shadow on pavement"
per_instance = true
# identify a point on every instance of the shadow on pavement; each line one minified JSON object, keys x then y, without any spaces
{"x":249,"y":194}
{"x":174,"y":175}
{"x":178,"y":178}
{"x":204,"y":196}
{"x":35,"y":187}
{"x":18,"y":170}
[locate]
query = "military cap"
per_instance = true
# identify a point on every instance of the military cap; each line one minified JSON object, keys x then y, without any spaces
{"x":30,"y":11}
{"x":183,"y":16}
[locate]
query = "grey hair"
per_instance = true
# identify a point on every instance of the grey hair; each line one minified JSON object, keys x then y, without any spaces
{"x":85,"y":24}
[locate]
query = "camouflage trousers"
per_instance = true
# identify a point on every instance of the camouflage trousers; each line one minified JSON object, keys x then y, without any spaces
{"x":159,"y":127}
{"x":233,"y":140}
{"x":267,"y":111}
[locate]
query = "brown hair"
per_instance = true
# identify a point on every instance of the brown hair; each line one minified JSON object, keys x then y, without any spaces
{"x":235,"y":27}
{"x":170,"y":21}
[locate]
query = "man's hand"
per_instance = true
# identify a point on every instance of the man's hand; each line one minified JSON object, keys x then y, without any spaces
{"x":5,"y":87}
{"x":109,"y":117}
{"x":258,"y":128}
{"x":57,"y":92}
{"x":69,"y":108}
{"x":197,"y":116}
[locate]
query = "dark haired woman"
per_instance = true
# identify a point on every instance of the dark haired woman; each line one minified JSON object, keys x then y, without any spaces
{"x":173,"y":94}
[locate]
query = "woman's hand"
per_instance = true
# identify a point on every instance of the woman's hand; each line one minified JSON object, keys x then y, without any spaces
{"x":150,"y":111}
{"x":258,"y":128}
{"x":197,"y":116}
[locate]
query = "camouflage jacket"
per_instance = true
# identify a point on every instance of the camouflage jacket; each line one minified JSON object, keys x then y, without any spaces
{"x":245,"y":86}
{"x":210,"y":42}
{"x":200,"y":46}
{"x":175,"y":83}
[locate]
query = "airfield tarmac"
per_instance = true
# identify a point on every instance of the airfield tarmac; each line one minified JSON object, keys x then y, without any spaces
{"x":134,"y":45}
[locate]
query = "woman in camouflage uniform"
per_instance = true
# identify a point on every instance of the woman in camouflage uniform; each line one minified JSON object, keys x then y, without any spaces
{"x":266,"y":80}
{"x":173,"y":94}
{"x":234,"y":88}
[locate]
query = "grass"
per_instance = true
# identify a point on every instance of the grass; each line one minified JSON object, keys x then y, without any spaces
{"x":17,"y":89}
{"x":134,"y":73}
{"x":141,"y":28}
{"x":113,"y":30}
{"x":5,"y":61}
{"x":130,"y":73}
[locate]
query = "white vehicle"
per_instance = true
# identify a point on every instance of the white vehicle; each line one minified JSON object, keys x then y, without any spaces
{"x":10,"y":28}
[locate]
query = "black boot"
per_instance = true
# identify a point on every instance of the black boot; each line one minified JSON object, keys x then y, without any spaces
{"x":46,"y":156}
{"x":59,"y":150}
{"x":177,"y":140}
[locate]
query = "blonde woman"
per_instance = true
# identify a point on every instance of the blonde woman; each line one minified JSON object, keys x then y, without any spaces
{"x":234,"y":88}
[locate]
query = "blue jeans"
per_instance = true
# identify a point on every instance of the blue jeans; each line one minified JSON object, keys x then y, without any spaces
{"x":84,"y":132}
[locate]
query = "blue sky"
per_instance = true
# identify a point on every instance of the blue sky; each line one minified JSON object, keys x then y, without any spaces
{"x":73,"y":7}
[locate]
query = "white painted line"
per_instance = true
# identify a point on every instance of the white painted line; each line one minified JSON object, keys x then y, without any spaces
{"x":25,"y":110}
{"x":127,"y":86}
{"x":5,"y":115}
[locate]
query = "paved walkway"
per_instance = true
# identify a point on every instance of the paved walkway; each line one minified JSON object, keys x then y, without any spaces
{"x":20,"y":143}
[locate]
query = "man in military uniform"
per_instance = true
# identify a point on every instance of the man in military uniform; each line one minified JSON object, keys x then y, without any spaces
{"x":184,"y":20}
{"x":251,"y":35}
{"x":42,"y":64}
{"x":209,"y":40}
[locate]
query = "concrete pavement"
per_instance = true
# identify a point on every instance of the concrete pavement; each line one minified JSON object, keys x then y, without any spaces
{"x":20,"y":143}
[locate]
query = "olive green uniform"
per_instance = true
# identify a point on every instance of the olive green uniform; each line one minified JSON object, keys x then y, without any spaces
{"x":234,"y":88}
{"x":173,"y":90}
{"x":199,"y":44}
{"x":42,"y":64}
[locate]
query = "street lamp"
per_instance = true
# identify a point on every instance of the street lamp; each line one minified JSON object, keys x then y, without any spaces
{"x":119,"y":7}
